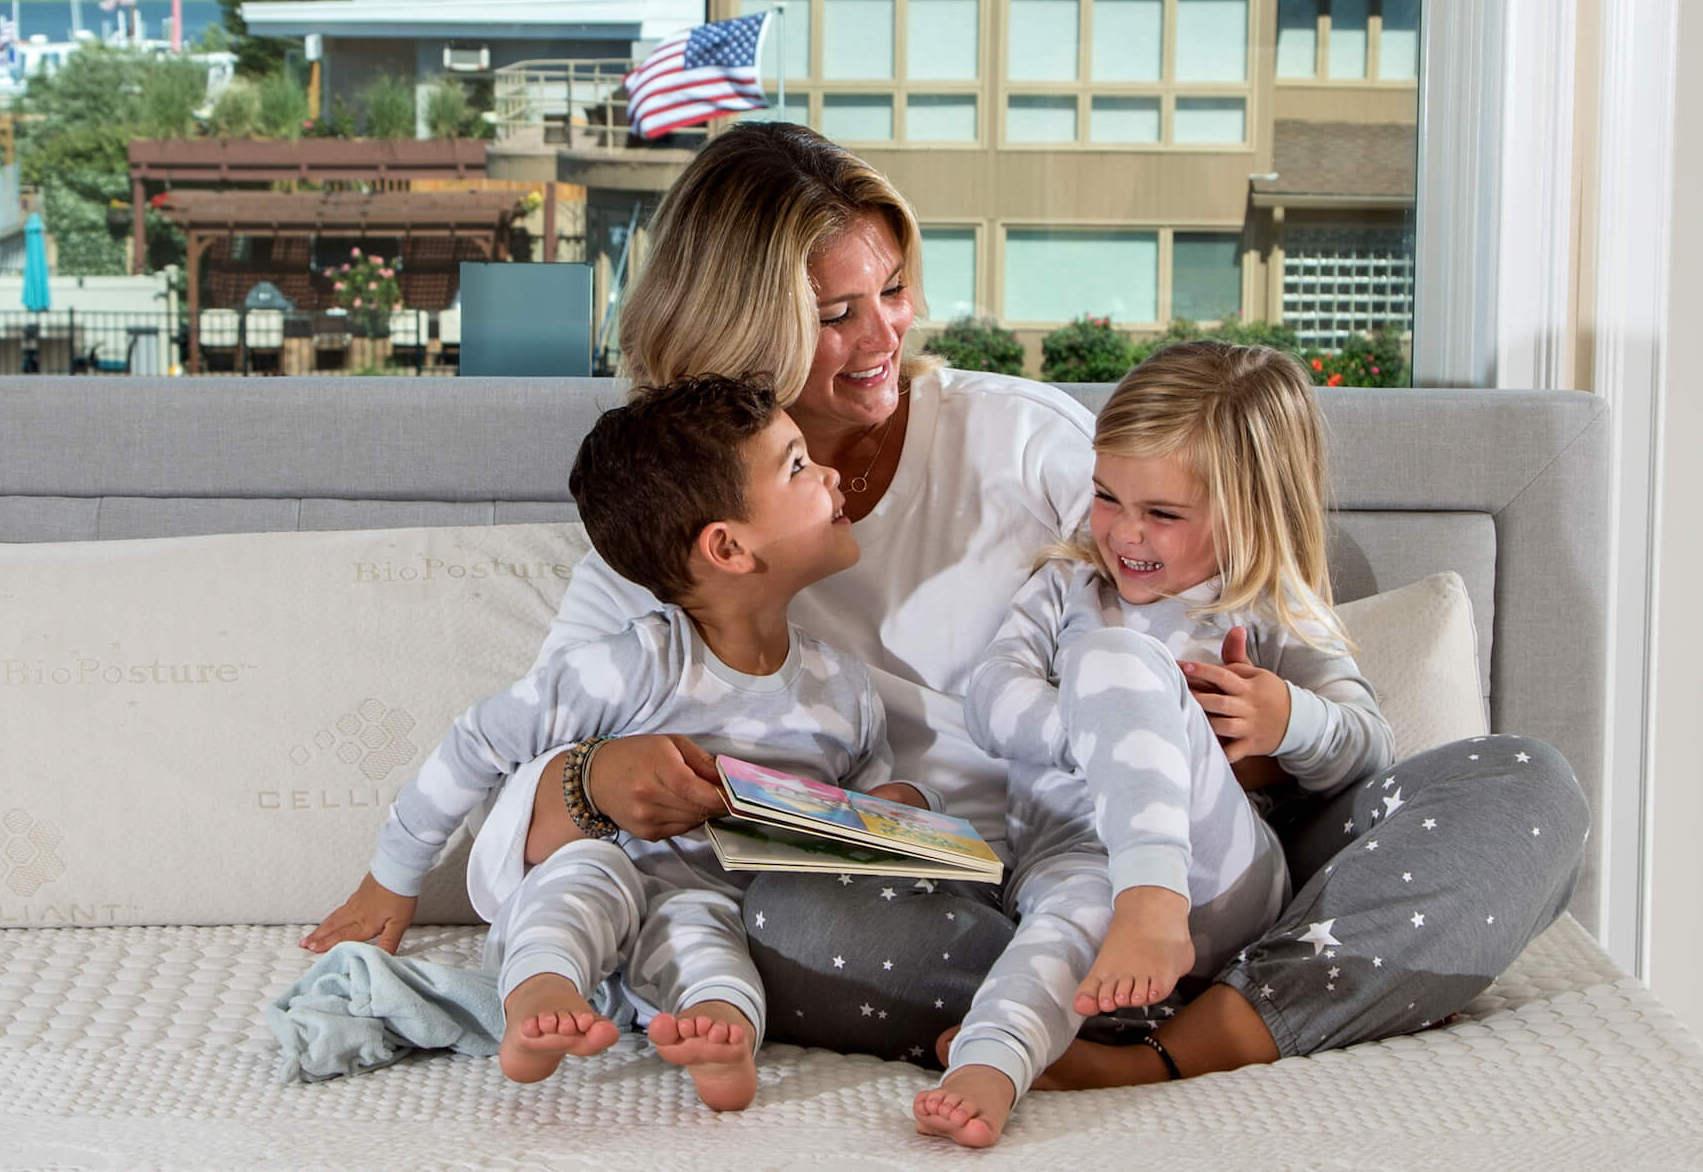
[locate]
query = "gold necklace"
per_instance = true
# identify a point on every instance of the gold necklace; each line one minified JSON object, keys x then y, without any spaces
{"x":860,"y":484}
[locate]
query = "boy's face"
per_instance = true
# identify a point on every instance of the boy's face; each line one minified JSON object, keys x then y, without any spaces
{"x":796,"y":524}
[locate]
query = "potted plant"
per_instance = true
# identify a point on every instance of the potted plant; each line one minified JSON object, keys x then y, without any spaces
{"x":366,"y":287}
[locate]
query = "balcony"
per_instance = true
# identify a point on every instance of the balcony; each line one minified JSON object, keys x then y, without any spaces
{"x":575,"y":113}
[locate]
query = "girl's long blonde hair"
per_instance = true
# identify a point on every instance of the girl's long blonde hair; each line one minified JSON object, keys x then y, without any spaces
{"x":1245,"y":420}
{"x":726,"y":286}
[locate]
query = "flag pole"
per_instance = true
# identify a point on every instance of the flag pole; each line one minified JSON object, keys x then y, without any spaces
{"x":780,"y":52}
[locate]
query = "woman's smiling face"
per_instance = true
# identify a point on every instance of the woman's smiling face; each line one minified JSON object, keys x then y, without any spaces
{"x":865,"y":311}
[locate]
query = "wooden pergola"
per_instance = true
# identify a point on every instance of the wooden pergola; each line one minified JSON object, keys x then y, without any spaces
{"x":482,"y":217}
{"x":224,"y":163}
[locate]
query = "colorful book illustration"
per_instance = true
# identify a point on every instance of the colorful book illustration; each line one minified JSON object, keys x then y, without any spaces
{"x":781,"y":822}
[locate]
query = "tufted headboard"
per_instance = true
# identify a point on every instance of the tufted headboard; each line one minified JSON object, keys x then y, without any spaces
{"x":1509,"y":488}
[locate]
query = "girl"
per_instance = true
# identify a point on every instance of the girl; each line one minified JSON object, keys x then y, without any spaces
{"x":1207,"y":531}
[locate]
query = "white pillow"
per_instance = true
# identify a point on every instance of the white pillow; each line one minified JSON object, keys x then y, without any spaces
{"x":209,"y":730}
{"x":1417,"y":646}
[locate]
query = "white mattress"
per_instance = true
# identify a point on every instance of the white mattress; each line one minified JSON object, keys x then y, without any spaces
{"x":138,"y":1047}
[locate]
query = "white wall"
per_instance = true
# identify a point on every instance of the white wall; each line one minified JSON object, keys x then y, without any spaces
{"x":1674,"y":936}
{"x":144,"y":294}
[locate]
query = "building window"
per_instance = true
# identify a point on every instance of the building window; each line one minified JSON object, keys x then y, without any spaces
{"x":949,"y":272}
{"x":1342,"y":281}
{"x":886,"y":71}
{"x":1297,"y":38}
{"x":1206,"y":276}
{"x":857,"y":40}
{"x":940,"y":118}
{"x":1033,"y":118}
{"x":1205,"y":120}
{"x":857,"y":117}
{"x":1124,"y":120}
{"x":1129,"y":40}
{"x":1041,"y":40}
{"x":945,"y":40}
{"x":1111,"y":273}
{"x":1212,"y":40}
{"x":1348,"y":40}
{"x":1158,"y":72}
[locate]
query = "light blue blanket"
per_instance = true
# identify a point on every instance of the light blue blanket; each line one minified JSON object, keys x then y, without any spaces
{"x":360,"y":1008}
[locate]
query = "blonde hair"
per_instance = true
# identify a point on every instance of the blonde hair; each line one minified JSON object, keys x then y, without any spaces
{"x":1243,"y":419}
{"x":726,"y":287}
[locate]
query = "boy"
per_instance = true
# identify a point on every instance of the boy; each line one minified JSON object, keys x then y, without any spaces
{"x":701,"y":491}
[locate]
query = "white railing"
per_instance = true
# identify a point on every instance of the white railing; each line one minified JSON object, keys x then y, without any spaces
{"x":579,"y":105}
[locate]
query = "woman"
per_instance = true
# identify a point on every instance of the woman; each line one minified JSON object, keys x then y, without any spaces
{"x":778,"y":252}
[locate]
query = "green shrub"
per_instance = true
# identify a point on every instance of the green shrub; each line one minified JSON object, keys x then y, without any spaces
{"x":1088,"y":350}
{"x":388,"y":103}
{"x":448,"y":112}
{"x":969,"y":344}
{"x":1371,"y":359}
{"x":172,"y":89}
{"x":283,"y":107}
{"x":335,"y":121}
{"x":237,"y":112}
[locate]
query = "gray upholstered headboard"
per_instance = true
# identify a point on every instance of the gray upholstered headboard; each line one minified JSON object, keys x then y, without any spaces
{"x":1510,"y":488}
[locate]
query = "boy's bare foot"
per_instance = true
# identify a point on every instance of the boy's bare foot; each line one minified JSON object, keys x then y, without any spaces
{"x":544,"y":1020}
{"x":713,"y":1041}
{"x":1146,"y":949}
{"x":969,"y":1107}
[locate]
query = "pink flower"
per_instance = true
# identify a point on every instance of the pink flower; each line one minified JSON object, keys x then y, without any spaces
{"x":387,"y":274}
{"x":1375,"y":370}
{"x":378,"y":260}
{"x":357,"y":304}
{"x":371,"y":285}
{"x":355,"y":252}
{"x":344,"y":269}
{"x":337,"y":286}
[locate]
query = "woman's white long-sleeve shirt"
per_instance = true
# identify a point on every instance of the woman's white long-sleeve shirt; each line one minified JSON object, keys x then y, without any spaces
{"x":993,"y":470}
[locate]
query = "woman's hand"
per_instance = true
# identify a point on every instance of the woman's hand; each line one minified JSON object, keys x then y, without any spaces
{"x":902,"y":792}
{"x":655,"y":787}
{"x":374,"y":910}
{"x":1247,"y":706}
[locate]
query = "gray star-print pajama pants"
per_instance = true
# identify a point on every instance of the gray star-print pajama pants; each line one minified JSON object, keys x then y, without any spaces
{"x":1153,"y":802}
{"x":1414,"y":890}
{"x":587,"y":911}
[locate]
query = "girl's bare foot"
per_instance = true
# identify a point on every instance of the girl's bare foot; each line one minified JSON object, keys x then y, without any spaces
{"x":1146,"y":949}
{"x":969,"y":1107}
{"x":713,"y":1041}
{"x":544,"y":1020}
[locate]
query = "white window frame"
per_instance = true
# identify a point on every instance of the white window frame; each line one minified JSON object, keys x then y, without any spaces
{"x":1495,"y":219}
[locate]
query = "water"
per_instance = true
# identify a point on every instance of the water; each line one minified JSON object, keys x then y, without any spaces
{"x":52,"y":18}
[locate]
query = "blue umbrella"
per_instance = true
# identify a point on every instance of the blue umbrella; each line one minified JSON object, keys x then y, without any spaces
{"x":37,"y":297}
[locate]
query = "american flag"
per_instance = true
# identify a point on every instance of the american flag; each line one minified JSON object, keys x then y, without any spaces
{"x":697,"y":75}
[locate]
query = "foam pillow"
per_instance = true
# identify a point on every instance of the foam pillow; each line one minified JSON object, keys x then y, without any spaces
{"x":1418,"y":647}
{"x":208,"y":730}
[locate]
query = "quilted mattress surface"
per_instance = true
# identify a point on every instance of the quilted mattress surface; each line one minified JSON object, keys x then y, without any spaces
{"x":144,"y":1047}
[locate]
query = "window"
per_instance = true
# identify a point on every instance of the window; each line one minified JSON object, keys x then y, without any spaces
{"x":857,"y":117}
{"x":949,"y":272}
{"x":1041,"y":41}
{"x":1112,"y":273}
{"x":940,"y":118}
{"x":857,"y":39}
{"x":1206,"y":276}
{"x":1212,"y":40}
{"x":1342,"y":280}
{"x":1142,"y":73}
{"x":1348,"y":40}
{"x":948,"y":30}
{"x":894,"y":72}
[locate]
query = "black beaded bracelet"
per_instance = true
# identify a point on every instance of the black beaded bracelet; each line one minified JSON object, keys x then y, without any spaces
{"x":585,"y":816}
{"x":1158,"y":1048}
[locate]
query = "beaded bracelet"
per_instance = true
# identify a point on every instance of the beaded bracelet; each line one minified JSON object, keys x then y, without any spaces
{"x":585,"y":816}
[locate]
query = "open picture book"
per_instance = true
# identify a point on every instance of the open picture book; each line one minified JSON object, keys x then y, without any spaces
{"x":781,"y":822}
